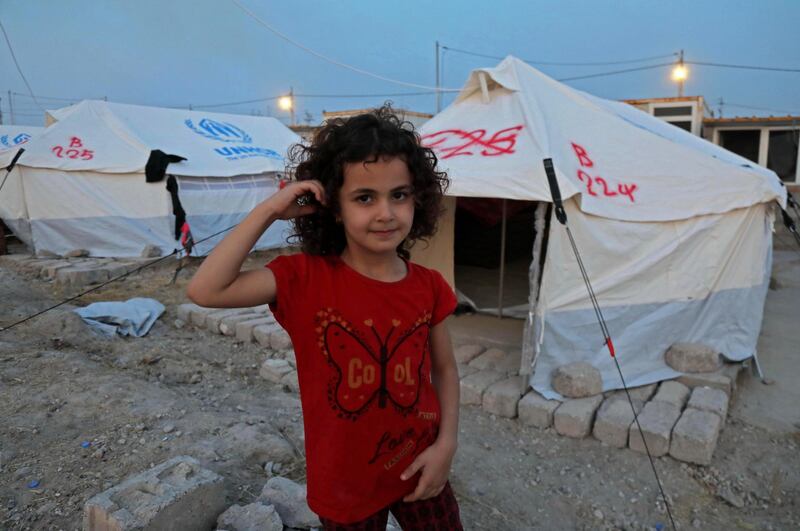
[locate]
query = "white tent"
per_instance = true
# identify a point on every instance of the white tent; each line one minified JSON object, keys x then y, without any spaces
{"x":12,"y":202}
{"x":95,"y":179}
{"x":676,"y":233}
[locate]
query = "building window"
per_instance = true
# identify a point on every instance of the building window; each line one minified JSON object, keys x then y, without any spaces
{"x":672,"y":111}
{"x":744,"y":143}
{"x":782,"y":153}
{"x":687,"y":126}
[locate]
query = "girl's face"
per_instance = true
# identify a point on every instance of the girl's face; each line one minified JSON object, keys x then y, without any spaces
{"x":376,"y":205}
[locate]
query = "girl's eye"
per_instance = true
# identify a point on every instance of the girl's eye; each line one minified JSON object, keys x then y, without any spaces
{"x":363,"y":199}
{"x":400,"y":196}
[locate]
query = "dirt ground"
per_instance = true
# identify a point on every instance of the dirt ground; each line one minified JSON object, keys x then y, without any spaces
{"x":180,"y":391}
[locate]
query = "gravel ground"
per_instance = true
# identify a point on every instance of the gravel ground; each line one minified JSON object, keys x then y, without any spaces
{"x":180,"y":391}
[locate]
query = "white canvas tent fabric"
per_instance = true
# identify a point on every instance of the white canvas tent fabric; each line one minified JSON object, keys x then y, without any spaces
{"x":84,"y":185}
{"x":12,"y":202}
{"x":675,"y":232}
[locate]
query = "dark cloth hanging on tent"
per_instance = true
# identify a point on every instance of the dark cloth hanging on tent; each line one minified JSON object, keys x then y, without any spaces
{"x":156,"y":166}
{"x":177,"y":208}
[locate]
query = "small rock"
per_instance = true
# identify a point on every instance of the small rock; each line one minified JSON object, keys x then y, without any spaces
{"x":730,"y":497}
{"x":252,"y":517}
{"x":577,"y":380}
{"x":76,"y":253}
{"x":151,"y":251}
{"x":692,"y":358}
{"x":289,"y":499}
{"x":168,"y":428}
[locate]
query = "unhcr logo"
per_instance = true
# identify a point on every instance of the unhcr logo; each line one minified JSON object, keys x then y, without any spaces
{"x":244,"y":152}
{"x":9,"y":142}
{"x":222,"y":131}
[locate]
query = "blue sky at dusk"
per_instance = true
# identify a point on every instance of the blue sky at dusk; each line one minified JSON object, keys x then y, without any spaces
{"x":182,"y":52}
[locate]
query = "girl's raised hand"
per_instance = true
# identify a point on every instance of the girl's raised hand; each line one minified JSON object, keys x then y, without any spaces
{"x":284,"y":203}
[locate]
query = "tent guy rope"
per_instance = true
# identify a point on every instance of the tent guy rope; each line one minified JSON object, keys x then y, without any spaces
{"x":561,"y":215}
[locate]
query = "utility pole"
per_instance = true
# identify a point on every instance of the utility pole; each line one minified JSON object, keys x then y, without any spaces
{"x":682,"y":78}
{"x":721,"y":103}
{"x":1,"y":111}
{"x":438,"y":87}
{"x":11,"y":107}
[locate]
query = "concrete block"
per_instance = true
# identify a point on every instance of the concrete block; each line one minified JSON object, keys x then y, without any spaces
{"x":42,"y":265}
{"x":81,"y":275}
{"x":577,"y":380}
{"x":501,"y":397}
{"x":489,"y":360}
{"x":262,"y":332}
{"x":466,"y":353}
{"x":674,"y":393}
{"x":717,"y":380}
{"x":465,"y":370}
{"x":638,"y":394}
{"x":176,"y":494}
{"x":198,"y":315}
{"x":227,"y":326}
{"x":695,"y":436}
{"x":244,"y":330}
{"x":511,"y":363}
{"x":51,"y":271}
{"x":574,"y":417}
{"x":185,"y":311}
{"x":613,"y":421}
{"x":536,"y":410}
{"x":473,"y":386}
{"x":274,"y":370}
{"x":214,"y":319}
{"x":710,"y":399}
{"x":692,"y":358}
{"x":280,"y":340}
{"x":656,"y":420}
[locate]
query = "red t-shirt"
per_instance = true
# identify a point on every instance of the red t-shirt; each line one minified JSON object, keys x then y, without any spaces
{"x":364,"y":364}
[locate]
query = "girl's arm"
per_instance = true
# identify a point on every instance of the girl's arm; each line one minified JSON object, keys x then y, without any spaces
{"x":435,"y":461}
{"x":219,"y":282}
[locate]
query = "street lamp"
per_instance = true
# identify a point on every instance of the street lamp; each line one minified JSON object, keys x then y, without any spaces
{"x":679,"y":74}
{"x":286,"y":103}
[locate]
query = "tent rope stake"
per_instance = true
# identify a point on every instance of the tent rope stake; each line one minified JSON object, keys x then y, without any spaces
{"x":561,"y":215}
{"x":11,"y":166}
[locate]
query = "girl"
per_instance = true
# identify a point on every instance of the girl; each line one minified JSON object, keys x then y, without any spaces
{"x":378,"y":381}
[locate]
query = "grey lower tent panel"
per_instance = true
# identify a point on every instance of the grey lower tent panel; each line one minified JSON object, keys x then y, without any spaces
{"x":114,"y":236}
{"x":727,"y":320}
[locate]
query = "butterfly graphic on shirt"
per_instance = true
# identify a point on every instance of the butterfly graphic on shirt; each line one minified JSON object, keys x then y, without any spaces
{"x":381,"y":364}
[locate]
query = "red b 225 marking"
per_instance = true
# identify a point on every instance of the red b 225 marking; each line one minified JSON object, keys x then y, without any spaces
{"x":73,"y":151}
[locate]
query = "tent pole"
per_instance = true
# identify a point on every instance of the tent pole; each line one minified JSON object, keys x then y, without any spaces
{"x":502,"y":263}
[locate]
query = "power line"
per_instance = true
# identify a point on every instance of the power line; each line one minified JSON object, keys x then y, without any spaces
{"x":333,"y":61}
{"x":16,"y":63}
{"x":555,"y":63}
{"x":744,"y":67}
{"x":753,"y":107}
{"x":615,"y":72}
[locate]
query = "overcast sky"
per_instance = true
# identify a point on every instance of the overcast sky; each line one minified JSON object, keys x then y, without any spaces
{"x":182,"y":52}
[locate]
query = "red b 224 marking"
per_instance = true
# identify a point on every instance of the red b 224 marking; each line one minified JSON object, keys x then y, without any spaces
{"x":598,"y":185}
{"x":75,"y":150}
{"x":455,"y":142}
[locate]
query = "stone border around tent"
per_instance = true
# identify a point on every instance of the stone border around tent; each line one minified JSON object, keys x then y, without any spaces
{"x":681,"y":418}
{"x":73,"y":272}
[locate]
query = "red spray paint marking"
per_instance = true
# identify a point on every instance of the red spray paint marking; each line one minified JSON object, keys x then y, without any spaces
{"x":454,"y":142}
{"x":598,"y":186}
{"x":73,"y":151}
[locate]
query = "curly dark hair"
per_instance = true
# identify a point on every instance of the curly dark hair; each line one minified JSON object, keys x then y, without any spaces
{"x":364,"y":138}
